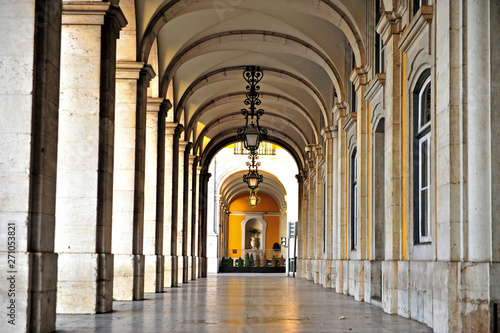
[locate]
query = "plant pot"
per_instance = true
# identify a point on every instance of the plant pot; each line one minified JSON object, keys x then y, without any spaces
{"x":254,"y":242}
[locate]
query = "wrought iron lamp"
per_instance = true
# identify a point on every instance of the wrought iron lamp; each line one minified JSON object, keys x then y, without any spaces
{"x":252,"y":134}
{"x":253,"y":200}
{"x":253,"y":178}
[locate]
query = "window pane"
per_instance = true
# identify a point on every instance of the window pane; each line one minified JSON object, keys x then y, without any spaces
{"x":425,"y":104}
{"x":423,"y":213}
{"x":423,"y":164}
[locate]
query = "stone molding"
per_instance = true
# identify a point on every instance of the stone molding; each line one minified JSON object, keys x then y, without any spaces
{"x":375,"y":86}
{"x":329,"y":132}
{"x":91,"y":13}
{"x":154,"y":104}
{"x":340,"y":110}
{"x":358,"y":77}
{"x":390,"y":24}
{"x":350,"y":121}
{"x":128,"y":70}
{"x":422,"y":18}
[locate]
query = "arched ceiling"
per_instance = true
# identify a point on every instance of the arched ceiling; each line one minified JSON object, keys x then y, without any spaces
{"x":232,"y":187}
{"x":201,"y":48}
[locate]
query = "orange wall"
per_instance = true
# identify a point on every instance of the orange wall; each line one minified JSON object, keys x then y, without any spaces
{"x":267,"y":204}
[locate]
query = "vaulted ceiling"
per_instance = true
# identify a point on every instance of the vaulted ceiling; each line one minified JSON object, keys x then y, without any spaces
{"x":199,"y":50}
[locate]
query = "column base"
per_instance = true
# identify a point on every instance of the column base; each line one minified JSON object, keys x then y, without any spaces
{"x":193,"y":267}
{"x":185,"y":269}
{"x":85,"y":283}
{"x":153,"y":273}
{"x":174,"y":281}
{"x":129,"y":277}
{"x":33,"y":279}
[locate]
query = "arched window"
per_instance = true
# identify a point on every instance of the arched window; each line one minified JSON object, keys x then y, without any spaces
{"x":421,"y":157}
{"x":354,"y":203}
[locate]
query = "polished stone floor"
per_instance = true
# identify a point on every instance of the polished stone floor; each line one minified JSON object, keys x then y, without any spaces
{"x":242,"y":303}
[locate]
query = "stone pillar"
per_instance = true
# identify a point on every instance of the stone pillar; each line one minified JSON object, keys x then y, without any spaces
{"x":182,"y":259}
{"x":359,"y":78}
{"x":301,"y":252}
{"x":174,"y":245}
{"x":153,"y":195}
{"x":29,"y":100}
{"x":167,"y":202}
{"x":85,"y":156}
{"x":390,"y":29}
{"x":194,"y":217}
{"x":478,"y":132}
{"x":184,"y":152}
{"x":202,"y":234}
{"x":188,"y":182}
{"x":129,"y":178}
{"x":340,"y":114}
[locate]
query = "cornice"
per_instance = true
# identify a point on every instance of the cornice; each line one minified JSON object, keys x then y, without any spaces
{"x":375,"y":86}
{"x":422,"y":18}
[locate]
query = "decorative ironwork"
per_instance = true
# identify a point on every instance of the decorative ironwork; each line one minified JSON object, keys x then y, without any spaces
{"x":252,"y":134}
{"x":253,"y":178}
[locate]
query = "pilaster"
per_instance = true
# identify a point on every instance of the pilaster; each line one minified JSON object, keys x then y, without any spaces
{"x":85,"y":153}
{"x":174,"y":242}
{"x":167,"y":202}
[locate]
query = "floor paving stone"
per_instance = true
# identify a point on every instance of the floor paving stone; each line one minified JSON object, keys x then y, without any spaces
{"x":242,"y":303}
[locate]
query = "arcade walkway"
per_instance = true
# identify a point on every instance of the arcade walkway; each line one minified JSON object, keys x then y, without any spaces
{"x":242,"y":303}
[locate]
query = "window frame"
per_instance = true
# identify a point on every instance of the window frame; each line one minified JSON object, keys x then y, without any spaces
{"x":379,"y":43}
{"x":421,"y":167}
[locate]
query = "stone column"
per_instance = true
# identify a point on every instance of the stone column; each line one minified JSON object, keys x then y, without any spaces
{"x":188,"y":182}
{"x":29,"y":100}
{"x":85,"y":156}
{"x":359,"y":78}
{"x":129,"y":177}
{"x":182,"y":258}
{"x":331,"y":232}
{"x":202,"y":234}
{"x":478,"y":132}
{"x":153,"y":196}
{"x":167,"y":201}
{"x":390,"y":29}
{"x":184,"y":167}
{"x":300,"y":240}
{"x":174,"y":246}
{"x":340,"y":114}
{"x":194,"y":217}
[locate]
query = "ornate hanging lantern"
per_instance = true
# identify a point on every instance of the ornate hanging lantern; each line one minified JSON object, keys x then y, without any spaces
{"x":252,"y":134}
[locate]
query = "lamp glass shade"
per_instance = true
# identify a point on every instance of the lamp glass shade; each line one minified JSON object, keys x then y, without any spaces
{"x":252,"y":137}
{"x":253,"y":181}
{"x":253,"y":200}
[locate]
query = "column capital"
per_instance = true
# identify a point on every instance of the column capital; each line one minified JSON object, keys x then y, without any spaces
{"x":340,"y":110}
{"x":187,"y":149}
{"x":91,"y":13}
{"x":170,"y":128}
{"x":154,"y":105}
{"x":192,"y":158}
{"x":148,"y":71}
{"x":358,"y":77}
{"x":128,"y":69}
{"x":183,"y":145}
{"x":178,"y":130}
{"x":389,"y":24}
{"x":329,"y":132}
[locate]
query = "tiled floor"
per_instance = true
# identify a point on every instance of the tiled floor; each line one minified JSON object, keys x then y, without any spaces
{"x":242,"y":303}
